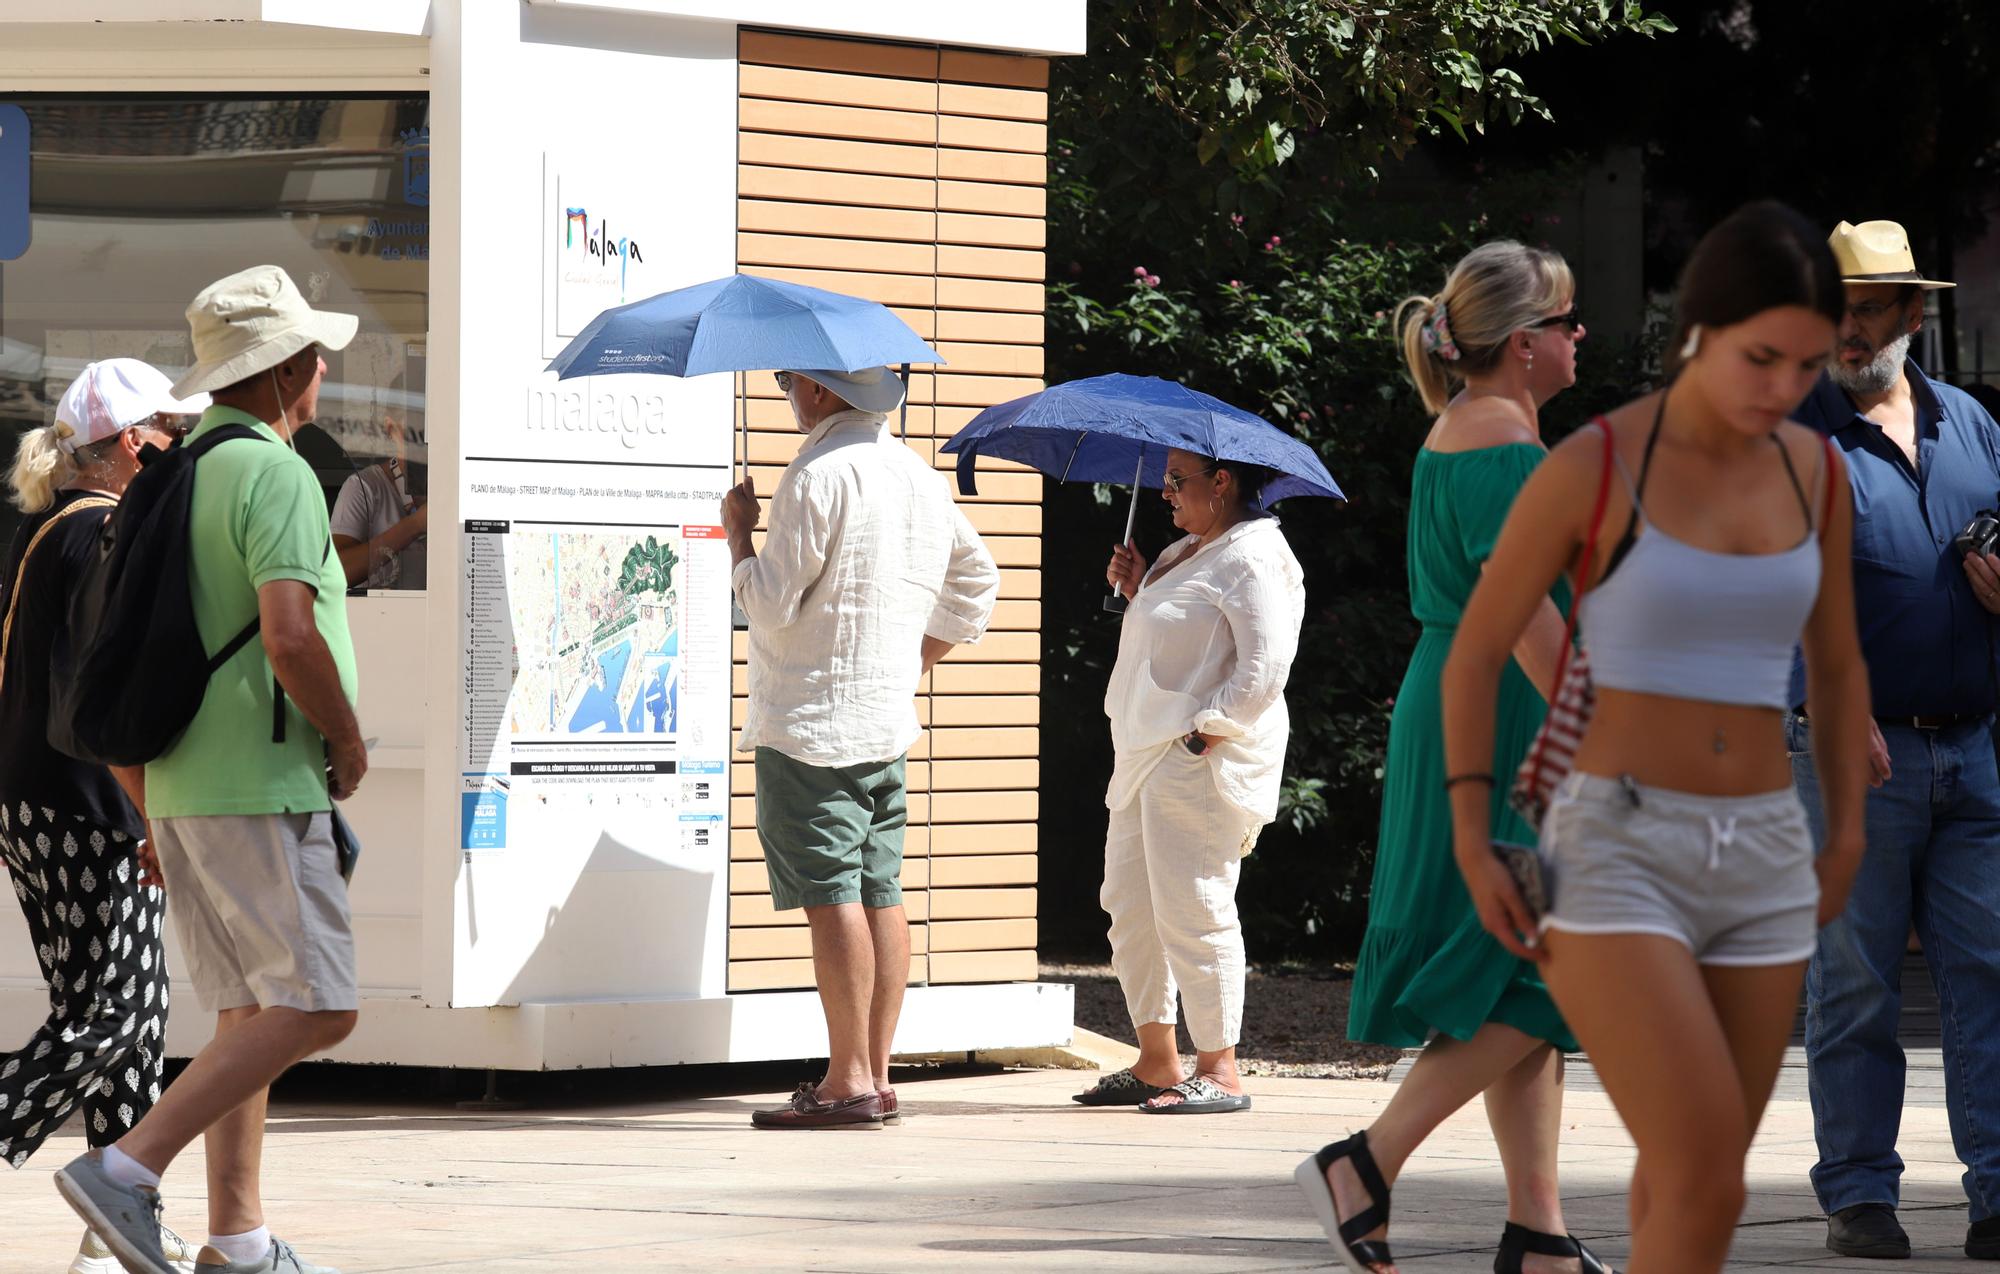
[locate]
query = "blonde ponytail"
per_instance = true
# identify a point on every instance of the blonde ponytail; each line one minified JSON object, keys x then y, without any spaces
{"x":1494,"y":291}
{"x":1427,"y":364}
{"x":41,"y":466}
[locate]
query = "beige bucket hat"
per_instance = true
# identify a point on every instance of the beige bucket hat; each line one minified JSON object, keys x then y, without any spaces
{"x":1877,"y":252}
{"x":872,"y":389}
{"x":250,"y":322}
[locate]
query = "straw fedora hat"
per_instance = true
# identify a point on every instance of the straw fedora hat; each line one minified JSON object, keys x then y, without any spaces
{"x":1877,"y":252}
{"x":250,"y":322}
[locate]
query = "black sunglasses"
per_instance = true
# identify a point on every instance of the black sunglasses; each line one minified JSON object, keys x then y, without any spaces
{"x":1571,"y":318}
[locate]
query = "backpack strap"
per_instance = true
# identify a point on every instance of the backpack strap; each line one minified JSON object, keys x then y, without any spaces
{"x":21,"y":572}
{"x":196,"y":450}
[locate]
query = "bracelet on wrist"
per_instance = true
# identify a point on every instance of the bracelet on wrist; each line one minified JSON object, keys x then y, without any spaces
{"x":1458,"y":779}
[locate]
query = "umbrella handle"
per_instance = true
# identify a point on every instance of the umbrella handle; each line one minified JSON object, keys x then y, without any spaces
{"x":903,"y":422}
{"x":1115,"y":604}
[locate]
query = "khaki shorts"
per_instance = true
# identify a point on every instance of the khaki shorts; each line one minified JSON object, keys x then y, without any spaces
{"x":260,"y":910}
{"x":831,"y":835}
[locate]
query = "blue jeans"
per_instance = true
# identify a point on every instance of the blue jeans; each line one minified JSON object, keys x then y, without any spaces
{"x":1933,"y":859}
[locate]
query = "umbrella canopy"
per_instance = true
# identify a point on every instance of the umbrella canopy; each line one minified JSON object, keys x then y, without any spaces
{"x":741,"y":324}
{"x":1107,"y":428}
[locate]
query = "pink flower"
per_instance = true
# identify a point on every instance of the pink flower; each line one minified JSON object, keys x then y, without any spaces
{"x":1235,"y":218}
{"x":1151,"y":280}
{"x":1138,"y":271}
{"x":1305,"y":413}
{"x":1380,"y":314}
{"x":1236,"y":283}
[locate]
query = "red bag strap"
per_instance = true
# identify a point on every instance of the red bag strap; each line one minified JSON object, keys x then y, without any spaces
{"x":1582,"y":574}
{"x":1584,"y":563}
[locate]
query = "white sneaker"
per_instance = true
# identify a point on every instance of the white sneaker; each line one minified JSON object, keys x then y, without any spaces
{"x":92,"y":1257}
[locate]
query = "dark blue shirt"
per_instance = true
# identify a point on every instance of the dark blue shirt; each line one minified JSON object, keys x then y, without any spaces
{"x":1927,"y":640}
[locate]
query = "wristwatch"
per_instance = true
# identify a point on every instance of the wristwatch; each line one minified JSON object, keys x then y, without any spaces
{"x":1194,"y":743}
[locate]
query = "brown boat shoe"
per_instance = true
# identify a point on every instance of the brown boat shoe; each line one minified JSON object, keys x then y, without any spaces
{"x":806,"y":1110}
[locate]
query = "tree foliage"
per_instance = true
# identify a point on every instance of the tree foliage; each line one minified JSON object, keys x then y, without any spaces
{"x":1214,"y":219}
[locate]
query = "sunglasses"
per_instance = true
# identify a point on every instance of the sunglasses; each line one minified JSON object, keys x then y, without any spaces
{"x":175,"y":427}
{"x":784,"y":380}
{"x":1176,"y":480}
{"x":1571,"y":318}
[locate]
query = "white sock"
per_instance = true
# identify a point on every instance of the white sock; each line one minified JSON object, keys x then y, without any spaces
{"x":127,"y":1171}
{"x":242,"y":1249}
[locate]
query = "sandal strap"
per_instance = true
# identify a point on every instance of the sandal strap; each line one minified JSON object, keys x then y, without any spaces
{"x":1371,"y":1252}
{"x":1376,"y":1214}
{"x":1523,"y":1239}
{"x":1198,"y":1089}
{"x":1118,"y":1081}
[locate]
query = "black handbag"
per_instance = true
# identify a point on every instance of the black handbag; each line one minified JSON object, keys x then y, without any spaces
{"x":346,"y":845}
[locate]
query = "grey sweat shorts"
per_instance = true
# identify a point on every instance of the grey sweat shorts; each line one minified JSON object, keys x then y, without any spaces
{"x":1731,"y":877}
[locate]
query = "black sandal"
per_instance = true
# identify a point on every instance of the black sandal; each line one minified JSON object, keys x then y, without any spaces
{"x":1359,"y":1255}
{"x":1517,"y":1241}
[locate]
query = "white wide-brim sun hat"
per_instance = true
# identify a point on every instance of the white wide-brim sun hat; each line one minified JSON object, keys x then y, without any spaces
{"x":115,"y":394}
{"x":250,"y":322}
{"x":875,"y":389}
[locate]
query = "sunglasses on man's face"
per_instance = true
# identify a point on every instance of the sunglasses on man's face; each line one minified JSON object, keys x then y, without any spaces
{"x":1571,"y":318}
{"x":175,"y":427}
{"x":784,"y":380}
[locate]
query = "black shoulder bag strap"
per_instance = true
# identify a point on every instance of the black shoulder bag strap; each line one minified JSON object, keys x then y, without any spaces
{"x":209,"y":441}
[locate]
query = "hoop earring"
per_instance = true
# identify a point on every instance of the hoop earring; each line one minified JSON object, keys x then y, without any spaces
{"x":1691,"y":346}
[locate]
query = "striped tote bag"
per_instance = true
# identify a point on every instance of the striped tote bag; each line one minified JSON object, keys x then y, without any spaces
{"x":1554,"y":749}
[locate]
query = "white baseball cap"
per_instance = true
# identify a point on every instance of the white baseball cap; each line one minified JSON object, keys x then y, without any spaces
{"x":252,"y":321}
{"x":873,"y":389}
{"x":116,"y":394}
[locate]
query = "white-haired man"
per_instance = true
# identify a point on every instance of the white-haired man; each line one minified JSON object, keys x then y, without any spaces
{"x":868,"y":576}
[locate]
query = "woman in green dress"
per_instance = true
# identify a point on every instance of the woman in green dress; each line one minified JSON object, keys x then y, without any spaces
{"x":1486,"y":352}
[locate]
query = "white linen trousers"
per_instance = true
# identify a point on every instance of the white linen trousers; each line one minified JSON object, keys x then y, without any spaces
{"x":1171,"y":858}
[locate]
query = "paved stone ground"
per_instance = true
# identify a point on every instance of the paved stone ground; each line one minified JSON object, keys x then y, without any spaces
{"x":992,"y":1171}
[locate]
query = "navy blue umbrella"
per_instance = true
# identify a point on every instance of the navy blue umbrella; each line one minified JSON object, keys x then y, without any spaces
{"x":1118,"y":428}
{"x":741,"y":324}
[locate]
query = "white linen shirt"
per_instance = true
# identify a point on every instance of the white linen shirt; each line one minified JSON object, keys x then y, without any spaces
{"x":864,"y":555}
{"x":1207,"y":647}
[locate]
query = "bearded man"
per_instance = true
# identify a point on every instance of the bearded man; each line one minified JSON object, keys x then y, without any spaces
{"x":1924,"y":459}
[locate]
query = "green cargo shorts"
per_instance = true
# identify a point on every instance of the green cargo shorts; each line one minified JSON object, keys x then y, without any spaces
{"x":831,"y":835}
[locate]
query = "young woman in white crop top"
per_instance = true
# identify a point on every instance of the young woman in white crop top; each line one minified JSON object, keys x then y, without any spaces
{"x":1685,"y":895}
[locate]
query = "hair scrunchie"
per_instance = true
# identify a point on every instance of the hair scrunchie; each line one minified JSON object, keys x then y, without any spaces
{"x":1437,"y":334}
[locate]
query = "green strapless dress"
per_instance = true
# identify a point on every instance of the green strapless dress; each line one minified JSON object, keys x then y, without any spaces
{"x":1426,"y":966}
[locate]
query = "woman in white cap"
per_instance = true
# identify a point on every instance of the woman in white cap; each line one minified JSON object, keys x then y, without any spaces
{"x":70,"y":832}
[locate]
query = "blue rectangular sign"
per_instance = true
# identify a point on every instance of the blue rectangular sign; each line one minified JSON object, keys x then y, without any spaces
{"x":13,"y":182}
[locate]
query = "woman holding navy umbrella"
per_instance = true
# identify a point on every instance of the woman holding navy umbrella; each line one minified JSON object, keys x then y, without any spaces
{"x":1198,"y":727}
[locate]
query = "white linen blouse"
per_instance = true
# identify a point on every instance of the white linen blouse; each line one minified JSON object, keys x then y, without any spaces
{"x":1207,"y":646}
{"x":865,"y":554}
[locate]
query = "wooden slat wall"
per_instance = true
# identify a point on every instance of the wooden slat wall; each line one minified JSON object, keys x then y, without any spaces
{"x":915,"y":176}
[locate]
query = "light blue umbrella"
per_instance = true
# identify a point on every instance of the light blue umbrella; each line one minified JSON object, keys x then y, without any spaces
{"x":742,"y":324}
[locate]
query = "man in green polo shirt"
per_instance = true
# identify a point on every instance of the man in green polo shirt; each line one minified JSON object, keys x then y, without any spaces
{"x":239,"y":819}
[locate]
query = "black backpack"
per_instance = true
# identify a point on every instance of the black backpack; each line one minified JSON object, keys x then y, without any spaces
{"x":135,"y":670}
